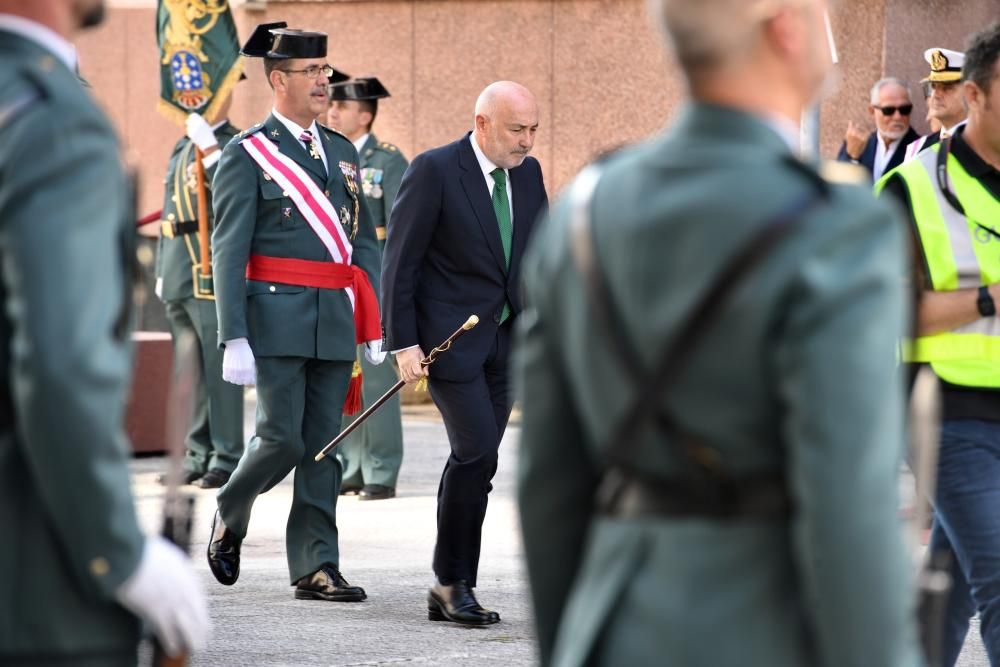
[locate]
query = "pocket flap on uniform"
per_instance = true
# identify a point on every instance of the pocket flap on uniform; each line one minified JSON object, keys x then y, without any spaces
{"x":271,"y":190}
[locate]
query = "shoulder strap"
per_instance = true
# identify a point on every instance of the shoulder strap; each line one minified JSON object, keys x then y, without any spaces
{"x":10,"y":111}
{"x":651,"y":386}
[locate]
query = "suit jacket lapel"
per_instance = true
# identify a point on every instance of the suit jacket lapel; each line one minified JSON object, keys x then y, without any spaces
{"x":291,"y":147}
{"x":479,"y":197}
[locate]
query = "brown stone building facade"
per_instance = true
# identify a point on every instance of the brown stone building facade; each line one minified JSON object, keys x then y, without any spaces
{"x":596,"y":66}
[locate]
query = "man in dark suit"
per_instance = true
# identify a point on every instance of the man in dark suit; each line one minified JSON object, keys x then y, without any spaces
{"x":883,"y":150}
{"x":460,"y":224}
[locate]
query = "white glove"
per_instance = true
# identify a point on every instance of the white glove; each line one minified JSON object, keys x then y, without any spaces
{"x":166,"y":593}
{"x":374,"y":352}
{"x":238,"y":365}
{"x":200,"y":132}
{"x":158,"y":288}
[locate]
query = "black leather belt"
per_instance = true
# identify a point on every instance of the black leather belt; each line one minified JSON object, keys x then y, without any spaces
{"x":172,"y":228}
{"x":756,"y":496}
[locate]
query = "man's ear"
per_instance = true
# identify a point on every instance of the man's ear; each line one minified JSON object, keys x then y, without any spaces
{"x":973,"y":95}
{"x":480,"y":122}
{"x":277,"y":80}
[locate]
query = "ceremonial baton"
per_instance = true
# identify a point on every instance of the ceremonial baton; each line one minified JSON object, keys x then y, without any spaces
{"x":425,"y":362}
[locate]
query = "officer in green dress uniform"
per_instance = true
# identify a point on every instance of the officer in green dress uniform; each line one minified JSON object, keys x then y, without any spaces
{"x":77,"y":575}
{"x":215,"y":439}
{"x":296,"y":270}
{"x":750,"y":515}
{"x":372,"y":454}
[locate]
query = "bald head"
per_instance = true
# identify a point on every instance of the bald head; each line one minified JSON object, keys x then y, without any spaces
{"x":506,"y":122}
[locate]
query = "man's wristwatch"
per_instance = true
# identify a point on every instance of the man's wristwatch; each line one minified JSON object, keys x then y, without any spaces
{"x":987,"y":307}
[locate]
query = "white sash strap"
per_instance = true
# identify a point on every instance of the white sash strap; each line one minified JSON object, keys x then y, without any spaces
{"x":304,"y":193}
{"x":311,"y":202}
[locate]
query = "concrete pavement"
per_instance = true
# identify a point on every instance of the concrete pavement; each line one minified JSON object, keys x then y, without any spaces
{"x":386,"y":547}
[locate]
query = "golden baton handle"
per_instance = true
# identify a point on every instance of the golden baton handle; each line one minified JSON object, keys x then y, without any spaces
{"x":426,"y":361}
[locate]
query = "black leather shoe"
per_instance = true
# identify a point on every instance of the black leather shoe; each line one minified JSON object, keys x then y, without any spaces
{"x":224,"y":553}
{"x":376,"y":492}
{"x":213,"y":479}
{"x":187,"y":477}
{"x":456,"y":603}
{"x":327,"y":583}
{"x":350,"y":490}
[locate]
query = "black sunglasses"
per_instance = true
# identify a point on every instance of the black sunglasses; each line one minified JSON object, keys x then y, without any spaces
{"x":904,"y":110}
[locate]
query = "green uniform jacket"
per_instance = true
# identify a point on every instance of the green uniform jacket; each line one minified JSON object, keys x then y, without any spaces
{"x":177,"y":258}
{"x":70,"y":535}
{"x":382,"y":167}
{"x":254,"y":216}
{"x":797,"y":374}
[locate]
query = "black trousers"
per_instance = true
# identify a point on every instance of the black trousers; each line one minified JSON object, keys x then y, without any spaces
{"x":475,"y":415}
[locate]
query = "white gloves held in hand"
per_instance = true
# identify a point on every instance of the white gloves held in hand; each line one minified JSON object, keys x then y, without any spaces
{"x":200,"y":132}
{"x":166,"y":593}
{"x":374,"y":352}
{"x":238,"y":365}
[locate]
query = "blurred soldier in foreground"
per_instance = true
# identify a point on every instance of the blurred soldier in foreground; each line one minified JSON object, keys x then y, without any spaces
{"x":215,"y":440}
{"x":952,"y":196}
{"x":747,"y":514}
{"x":372,"y":455}
{"x":77,"y":572}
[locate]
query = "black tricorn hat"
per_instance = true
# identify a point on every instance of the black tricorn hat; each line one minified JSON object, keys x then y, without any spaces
{"x":362,"y":88}
{"x":338,"y":76}
{"x":276,"y":40}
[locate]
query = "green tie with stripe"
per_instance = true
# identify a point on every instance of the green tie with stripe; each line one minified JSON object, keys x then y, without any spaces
{"x":501,"y":207}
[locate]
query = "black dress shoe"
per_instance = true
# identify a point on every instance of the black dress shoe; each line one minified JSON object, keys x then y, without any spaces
{"x":327,"y":583}
{"x":224,"y":553}
{"x":456,"y":603}
{"x":213,"y":479}
{"x":187,"y":477}
{"x":376,"y":492}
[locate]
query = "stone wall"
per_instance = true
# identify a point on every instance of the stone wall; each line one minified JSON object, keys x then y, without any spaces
{"x":596,"y":66}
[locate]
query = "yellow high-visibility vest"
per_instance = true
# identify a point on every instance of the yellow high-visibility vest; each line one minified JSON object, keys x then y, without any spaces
{"x":959,"y":253}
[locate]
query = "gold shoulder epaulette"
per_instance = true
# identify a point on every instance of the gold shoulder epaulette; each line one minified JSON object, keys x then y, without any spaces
{"x":247,"y":132}
{"x":385,"y":145}
{"x":330,"y":132}
{"x":843,"y":172}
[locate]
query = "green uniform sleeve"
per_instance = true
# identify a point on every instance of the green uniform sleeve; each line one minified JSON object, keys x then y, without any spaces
{"x":553,"y":519}
{"x":234,"y":198}
{"x":61,"y":243}
{"x":392,"y":176}
{"x":841,"y":390}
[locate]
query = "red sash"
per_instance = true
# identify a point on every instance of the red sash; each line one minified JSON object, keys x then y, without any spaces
{"x":324,"y":275}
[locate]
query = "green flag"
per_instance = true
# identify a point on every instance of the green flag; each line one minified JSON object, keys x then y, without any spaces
{"x":199,"y":57}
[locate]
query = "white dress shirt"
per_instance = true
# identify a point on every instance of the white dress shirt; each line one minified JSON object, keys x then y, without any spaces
{"x":360,"y":143}
{"x":297,"y":131}
{"x":883,"y":154}
{"x":487,"y":166}
{"x":43,"y":36}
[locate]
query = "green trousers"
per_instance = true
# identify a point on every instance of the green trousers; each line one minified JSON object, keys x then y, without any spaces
{"x":299,"y":409}
{"x":373,"y":453}
{"x":215,"y":439}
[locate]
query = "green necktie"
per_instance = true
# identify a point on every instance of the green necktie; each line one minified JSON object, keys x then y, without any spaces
{"x":501,"y":207}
